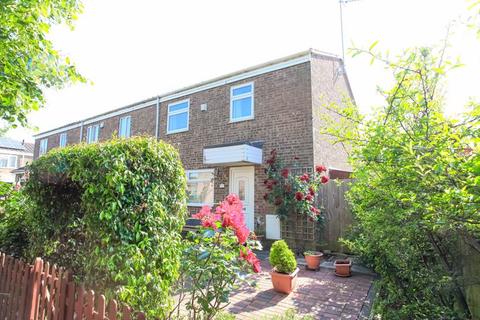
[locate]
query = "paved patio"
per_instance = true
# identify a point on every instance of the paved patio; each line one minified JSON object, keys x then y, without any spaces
{"x":320,"y":294}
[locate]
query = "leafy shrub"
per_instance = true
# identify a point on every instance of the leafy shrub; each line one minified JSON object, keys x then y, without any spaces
{"x":14,"y":226}
{"x":282,"y":258}
{"x":415,"y":197}
{"x":113,"y":213}
{"x":216,"y":260}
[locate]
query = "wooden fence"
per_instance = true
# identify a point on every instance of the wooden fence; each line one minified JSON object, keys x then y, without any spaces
{"x":46,"y":292}
{"x":302,"y":235}
{"x":338,"y":217}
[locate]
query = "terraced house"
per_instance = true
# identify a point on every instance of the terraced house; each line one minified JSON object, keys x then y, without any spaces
{"x":224,"y":128}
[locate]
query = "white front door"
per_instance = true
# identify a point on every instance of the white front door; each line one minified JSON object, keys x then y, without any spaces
{"x":242,"y":182}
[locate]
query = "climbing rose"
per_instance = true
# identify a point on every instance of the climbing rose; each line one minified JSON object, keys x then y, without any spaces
{"x":278,"y":201}
{"x":324,"y":179}
{"x":309,"y":197}
{"x":311,"y":191}
{"x":305,"y":177}
{"x":299,"y":196}
{"x":285,"y":172}
{"x":320,"y":169}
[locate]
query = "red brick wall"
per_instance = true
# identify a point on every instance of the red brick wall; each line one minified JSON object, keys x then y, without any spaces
{"x":329,"y":85}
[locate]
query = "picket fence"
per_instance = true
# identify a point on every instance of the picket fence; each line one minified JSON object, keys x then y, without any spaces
{"x":46,"y":292}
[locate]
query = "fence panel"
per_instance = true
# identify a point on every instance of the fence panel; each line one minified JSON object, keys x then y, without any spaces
{"x":46,"y":292}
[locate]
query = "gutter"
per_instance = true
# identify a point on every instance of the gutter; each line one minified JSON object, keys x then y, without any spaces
{"x":81,"y":132}
{"x":157,"y":116}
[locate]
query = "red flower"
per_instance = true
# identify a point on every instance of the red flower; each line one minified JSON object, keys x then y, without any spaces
{"x":278,"y":201}
{"x":285,"y":172}
{"x":256,"y":267}
{"x":309,"y":197}
{"x":324,"y":179}
{"x":305,"y":177}
{"x":311,"y":191}
{"x":299,"y":196}
{"x":315,"y":211}
{"x":288,"y":188}
{"x":265,"y":196}
{"x":320,"y":169}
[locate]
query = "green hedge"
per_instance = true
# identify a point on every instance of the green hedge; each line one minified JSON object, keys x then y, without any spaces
{"x":113,"y":213}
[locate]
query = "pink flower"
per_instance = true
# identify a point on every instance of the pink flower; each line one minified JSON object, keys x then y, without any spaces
{"x":311,"y":191}
{"x":208,"y":218}
{"x":309,"y":197}
{"x":257,"y":268}
{"x":248,"y":255}
{"x":202,"y":213}
{"x":242,"y":234}
{"x":324,"y":179}
{"x":298,"y":196}
{"x":285,"y":172}
{"x":320,"y":169}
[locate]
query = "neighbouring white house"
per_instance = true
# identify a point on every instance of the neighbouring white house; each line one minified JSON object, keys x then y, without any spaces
{"x":14,"y":155}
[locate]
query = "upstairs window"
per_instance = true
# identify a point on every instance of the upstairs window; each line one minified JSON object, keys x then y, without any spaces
{"x":92,"y":133}
{"x":241,"y":102}
{"x":124,"y":127}
{"x":43,"y":146}
{"x":63,"y":140}
{"x":178,"y":113}
{"x":200,"y":187}
{"x":8,"y":161}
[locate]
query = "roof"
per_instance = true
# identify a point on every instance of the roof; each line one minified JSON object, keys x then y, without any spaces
{"x":8,"y":143}
{"x":301,"y":57}
{"x":29,"y":147}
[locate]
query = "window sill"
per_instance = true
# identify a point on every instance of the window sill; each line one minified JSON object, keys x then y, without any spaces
{"x":177,"y":131}
{"x":241,"y":120}
{"x":199,"y":204}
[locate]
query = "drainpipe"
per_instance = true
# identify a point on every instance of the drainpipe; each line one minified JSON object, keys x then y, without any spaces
{"x":81,"y":132}
{"x":156,"y":118}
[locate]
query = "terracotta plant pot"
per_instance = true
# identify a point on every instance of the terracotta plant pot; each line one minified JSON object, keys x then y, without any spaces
{"x":343,"y":268}
{"x":313,"y":260}
{"x":282,"y":282}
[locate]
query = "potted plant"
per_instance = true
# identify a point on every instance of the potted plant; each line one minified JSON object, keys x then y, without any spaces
{"x":284,"y":272}
{"x":343,"y":268}
{"x":313,"y":259}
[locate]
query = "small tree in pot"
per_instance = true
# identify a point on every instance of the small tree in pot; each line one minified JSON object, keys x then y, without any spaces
{"x":284,"y":272}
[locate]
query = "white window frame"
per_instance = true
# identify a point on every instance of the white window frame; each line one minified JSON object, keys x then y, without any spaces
{"x":43,"y":146}
{"x":63,"y":138}
{"x":8,"y":156}
{"x":242,"y":96}
{"x":129,"y":133}
{"x":89,"y":129}
{"x":178,"y":112}
{"x":200,"y":204}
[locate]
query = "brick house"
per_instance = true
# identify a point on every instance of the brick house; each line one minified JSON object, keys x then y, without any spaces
{"x":14,"y":155}
{"x":224,"y":128}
